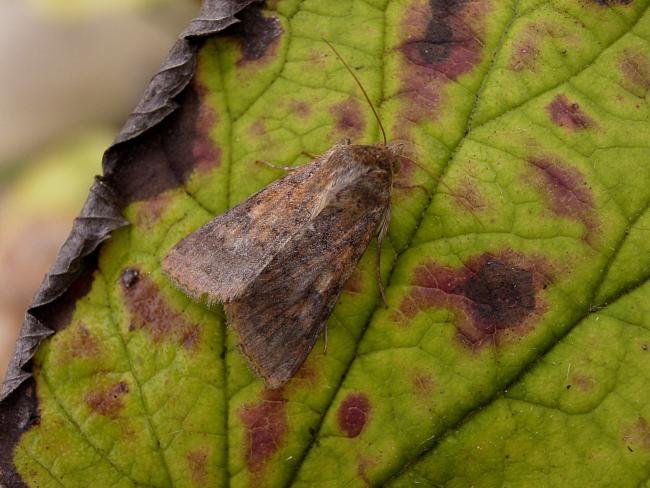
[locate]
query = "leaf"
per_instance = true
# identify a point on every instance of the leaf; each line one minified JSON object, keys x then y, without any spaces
{"x":514,"y":349}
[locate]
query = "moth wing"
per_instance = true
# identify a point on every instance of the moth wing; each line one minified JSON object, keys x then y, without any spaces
{"x":282,"y":313}
{"x":221,"y":258}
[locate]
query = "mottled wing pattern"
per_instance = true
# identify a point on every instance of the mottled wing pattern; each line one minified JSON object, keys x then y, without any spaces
{"x":221,"y":258}
{"x":279,"y":317}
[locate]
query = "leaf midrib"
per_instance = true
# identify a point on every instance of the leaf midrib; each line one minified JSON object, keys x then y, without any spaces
{"x":409,"y":240}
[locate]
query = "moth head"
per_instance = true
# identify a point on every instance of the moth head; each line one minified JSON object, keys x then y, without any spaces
{"x":394,"y":153}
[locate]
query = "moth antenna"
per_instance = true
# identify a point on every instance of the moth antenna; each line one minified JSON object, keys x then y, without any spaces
{"x":437,"y":179}
{"x":365,"y":94}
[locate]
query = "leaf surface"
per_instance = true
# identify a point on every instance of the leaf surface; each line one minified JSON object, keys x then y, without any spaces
{"x":514,"y":349}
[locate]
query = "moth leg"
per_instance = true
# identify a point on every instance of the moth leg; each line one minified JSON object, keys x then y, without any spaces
{"x":271,"y":165}
{"x":378,"y":274}
{"x":325,"y":340}
{"x":381,"y":233}
{"x":309,"y":155}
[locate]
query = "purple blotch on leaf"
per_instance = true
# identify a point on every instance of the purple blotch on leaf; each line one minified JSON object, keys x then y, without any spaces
{"x":568,"y":115}
{"x":490,"y":294}
{"x":353,"y":413}
{"x":266,"y":428}
{"x":108,"y":401}
{"x":150,"y":312}
{"x":566,"y":190}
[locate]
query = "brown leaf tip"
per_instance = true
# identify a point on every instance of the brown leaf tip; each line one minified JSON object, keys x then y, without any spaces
{"x":168,"y":156}
{"x":353,"y":414}
{"x":108,"y":401}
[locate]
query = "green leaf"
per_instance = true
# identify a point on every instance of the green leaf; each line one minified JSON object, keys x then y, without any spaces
{"x":514,"y":349}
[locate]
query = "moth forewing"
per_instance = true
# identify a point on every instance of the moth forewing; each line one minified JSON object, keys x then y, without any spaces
{"x":279,"y":260}
{"x":281,"y":314}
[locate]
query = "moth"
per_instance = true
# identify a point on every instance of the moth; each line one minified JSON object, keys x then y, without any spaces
{"x":279,"y":261}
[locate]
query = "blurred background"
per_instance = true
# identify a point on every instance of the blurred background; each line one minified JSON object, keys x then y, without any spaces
{"x":70,"y":73}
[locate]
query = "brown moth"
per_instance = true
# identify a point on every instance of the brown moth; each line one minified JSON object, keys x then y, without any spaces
{"x":279,"y":260}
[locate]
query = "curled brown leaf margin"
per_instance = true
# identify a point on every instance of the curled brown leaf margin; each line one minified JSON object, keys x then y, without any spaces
{"x":71,"y":273}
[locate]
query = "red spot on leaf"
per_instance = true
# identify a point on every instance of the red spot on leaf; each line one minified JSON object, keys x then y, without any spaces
{"x":364,"y":464}
{"x":197,"y":461}
{"x":266,"y":428}
{"x":423,"y":384}
{"x":566,"y":190}
{"x":190,"y":337}
{"x":441,"y":41}
{"x":584,"y":383}
{"x":524,"y":56}
{"x":635,"y":67}
{"x":637,"y":436}
{"x":355,"y":282}
{"x":150,"y":312}
{"x":349,"y":119}
{"x":307,"y":375}
{"x":568,"y":115}
{"x":83,"y":344}
{"x":353,"y":414}
{"x":469,"y":197}
{"x":150,"y":211}
{"x":410,"y":165}
{"x":610,"y":3}
{"x":108,"y":401}
{"x":300,"y":108}
{"x":204,"y":153}
{"x":490,"y":295}
{"x":258,"y":128}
